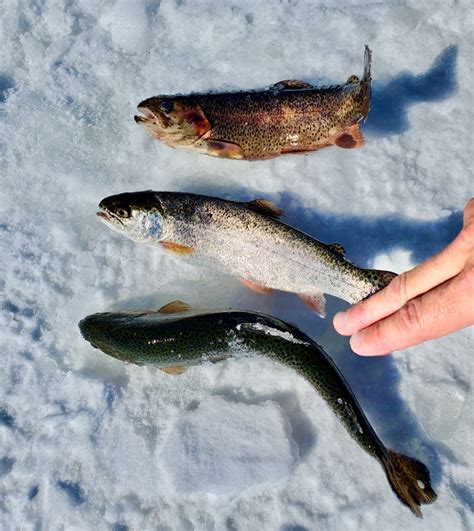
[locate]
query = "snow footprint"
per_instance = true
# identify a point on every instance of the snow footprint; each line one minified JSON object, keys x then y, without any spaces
{"x":224,"y":447}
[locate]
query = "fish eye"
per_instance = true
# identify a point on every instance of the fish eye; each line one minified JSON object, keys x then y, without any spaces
{"x":166,"y":106}
{"x":122,"y":212}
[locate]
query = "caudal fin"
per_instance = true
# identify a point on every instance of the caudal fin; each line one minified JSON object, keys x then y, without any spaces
{"x":366,"y":78}
{"x":410,"y":481}
{"x":365,"y":83}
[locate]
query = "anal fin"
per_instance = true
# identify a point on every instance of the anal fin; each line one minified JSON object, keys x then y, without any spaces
{"x":351,"y":138}
{"x":216,"y":358}
{"x":255,"y":287}
{"x":177,"y":248}
{"x":316,"y":301}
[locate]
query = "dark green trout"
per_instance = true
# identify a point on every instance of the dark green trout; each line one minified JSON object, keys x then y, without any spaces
{"x":291,"y":116}
{"x":174,"y":338}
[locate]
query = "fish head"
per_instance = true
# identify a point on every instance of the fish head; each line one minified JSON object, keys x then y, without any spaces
{"x":137,"y":215}
{"x":108,"y":332}
{"x":174,"y":120}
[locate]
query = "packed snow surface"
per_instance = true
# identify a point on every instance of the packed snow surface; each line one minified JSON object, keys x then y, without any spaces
{"x":87,"y":442}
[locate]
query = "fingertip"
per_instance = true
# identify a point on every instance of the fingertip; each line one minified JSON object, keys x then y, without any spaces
{"x":340,"y":322}
{"x":362,"y":345}
{"x":357,"y":342}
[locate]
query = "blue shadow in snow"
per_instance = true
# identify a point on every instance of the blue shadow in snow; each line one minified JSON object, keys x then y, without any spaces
{"x":73,"y":491}
{"x":362,"y":237}
{"x":365,"y":237}
{"x":6,"y":83}
{"x":375,"y":381}
{"x":391,"y":99}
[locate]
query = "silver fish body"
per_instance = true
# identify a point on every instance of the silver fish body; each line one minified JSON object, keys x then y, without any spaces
{"x":244,"y":239}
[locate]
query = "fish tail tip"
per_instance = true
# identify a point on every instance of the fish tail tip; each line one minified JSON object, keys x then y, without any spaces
{"x":367,"y":64}
{"x":410,"y":481}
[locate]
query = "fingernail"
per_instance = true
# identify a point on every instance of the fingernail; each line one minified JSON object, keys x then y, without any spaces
{"x":357,"y":341}
{"x":340,"y":320}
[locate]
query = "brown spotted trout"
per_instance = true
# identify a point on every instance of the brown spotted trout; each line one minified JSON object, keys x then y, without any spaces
{"x":244,"y":239}
{"x":174,"y":338}
{"x":291,"y":116}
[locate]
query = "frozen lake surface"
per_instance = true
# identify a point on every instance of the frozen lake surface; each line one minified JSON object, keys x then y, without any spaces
{"x":87,"y":442}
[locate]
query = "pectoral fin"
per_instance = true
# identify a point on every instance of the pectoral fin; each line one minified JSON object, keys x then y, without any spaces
{"x":316,"y":301}
{"x":351,"y":138}
{"x":255,"y":287}
{"x":174,"y":370}
{"x":177,"y":248}
{"x":226,"y":150}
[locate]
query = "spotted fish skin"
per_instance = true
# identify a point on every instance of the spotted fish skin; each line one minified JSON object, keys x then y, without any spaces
{"x":291,"y":116}
{"x":151,"y":338}
{"x":241,"y":239}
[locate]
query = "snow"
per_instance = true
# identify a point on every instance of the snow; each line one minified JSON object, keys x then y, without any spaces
{"x":87,"y":442}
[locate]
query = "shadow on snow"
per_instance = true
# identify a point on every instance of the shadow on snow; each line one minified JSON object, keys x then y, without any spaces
{"x":391,"y":99}
{"x":375,"y":381}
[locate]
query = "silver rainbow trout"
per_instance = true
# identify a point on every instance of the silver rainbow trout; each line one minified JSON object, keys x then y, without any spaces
{"x":174,"y":338}
{"x":291,"y":116}
{"x":244,"y":239}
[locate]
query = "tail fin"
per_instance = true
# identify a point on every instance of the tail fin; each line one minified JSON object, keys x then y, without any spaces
{"x":410,"y":481}
{"x":366,"y":78}
{"x":365,"y":87}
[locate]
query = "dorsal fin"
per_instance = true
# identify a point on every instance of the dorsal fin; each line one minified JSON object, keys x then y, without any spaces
{"x":174,"y":307}
{"x":353,"y":80}
{"x":337,"y":248}
{"x":291,"y":84}
{"x":264,"y":206}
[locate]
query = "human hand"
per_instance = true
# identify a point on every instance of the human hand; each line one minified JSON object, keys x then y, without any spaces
{"x":433,"y":299}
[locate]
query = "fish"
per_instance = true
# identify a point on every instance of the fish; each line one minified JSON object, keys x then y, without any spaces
{"x":244,"y":239}
{"x":292,"y":116}
{"x":176,"y":337}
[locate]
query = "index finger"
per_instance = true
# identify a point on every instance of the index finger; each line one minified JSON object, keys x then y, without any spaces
{"x":441,"y":311}
{"x":401,"y":289}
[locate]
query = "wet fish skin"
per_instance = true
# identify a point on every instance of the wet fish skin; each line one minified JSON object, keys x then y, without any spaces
{"x":165,"y":341}
{"x":291,"y":116}
{"x":243,"y":239}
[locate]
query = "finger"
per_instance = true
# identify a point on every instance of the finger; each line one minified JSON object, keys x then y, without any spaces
{"x":441,"y":311}
{"x":469,"y":213}
{"x":408,"y":285}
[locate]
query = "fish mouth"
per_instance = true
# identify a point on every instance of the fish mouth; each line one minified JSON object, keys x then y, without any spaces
{"x":152,"y":118}
{"x":109,"y":218}
{"x":147,"y":115}
{"x":103,"y":215}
